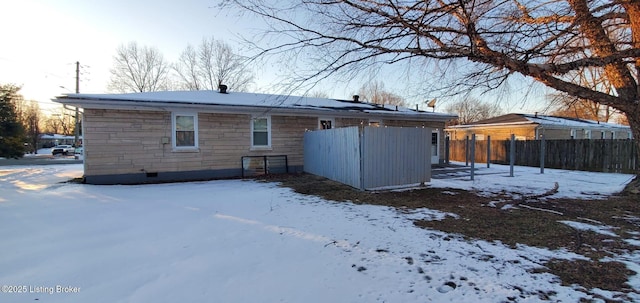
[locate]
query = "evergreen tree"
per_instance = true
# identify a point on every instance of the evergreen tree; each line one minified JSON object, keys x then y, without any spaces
{"x":11,"y":131}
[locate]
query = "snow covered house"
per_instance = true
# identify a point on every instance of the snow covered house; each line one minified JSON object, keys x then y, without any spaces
{"x":192,"y":135}
{"x":530,"y":127}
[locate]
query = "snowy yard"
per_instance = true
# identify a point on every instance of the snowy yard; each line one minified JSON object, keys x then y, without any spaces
{"x":250,"y":241}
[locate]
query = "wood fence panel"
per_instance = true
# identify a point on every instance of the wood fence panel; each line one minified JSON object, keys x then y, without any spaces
{"x":587,"y":155}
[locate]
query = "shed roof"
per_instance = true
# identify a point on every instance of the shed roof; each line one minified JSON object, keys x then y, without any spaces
{"x":243,"y":102}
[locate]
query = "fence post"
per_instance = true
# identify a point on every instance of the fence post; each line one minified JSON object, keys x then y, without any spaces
{"x":488,"y":151}
{"x":466,"y":151}
{"x":512,"y":154}
{"x":447,"y":147}
{"x":542,"y":152}
{"x":473,"y":155}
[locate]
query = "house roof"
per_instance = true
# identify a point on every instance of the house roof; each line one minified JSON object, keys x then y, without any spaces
{"x":57,"y":137}
{"x":540,"y":120}
{"x":237,"y":102}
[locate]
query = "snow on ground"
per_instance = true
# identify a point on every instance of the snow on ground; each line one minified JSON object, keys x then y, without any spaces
{"x":529,"y":181}
{"x":246,"y":241}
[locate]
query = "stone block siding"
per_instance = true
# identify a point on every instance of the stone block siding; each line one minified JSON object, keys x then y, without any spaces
{"x":128,"y":142}
{"x":131,"y":142}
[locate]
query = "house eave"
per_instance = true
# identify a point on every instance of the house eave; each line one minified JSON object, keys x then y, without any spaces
{"x":245,"y":109}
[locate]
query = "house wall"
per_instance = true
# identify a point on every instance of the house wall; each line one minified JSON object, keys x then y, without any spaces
{"x":128,"y":146}
{"x":556,"y":134}
{"x":521,"y":132}
{"x":528,"y":132}
{"x":346,"y":122}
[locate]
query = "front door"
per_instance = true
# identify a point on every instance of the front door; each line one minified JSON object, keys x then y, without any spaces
{"x":435,"y":146}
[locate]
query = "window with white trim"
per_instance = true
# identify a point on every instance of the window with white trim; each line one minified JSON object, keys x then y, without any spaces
{"x":261,"y":132}
{"x":184,"y":130}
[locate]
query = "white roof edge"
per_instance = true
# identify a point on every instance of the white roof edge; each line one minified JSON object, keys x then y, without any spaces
{"x":97,"y":103}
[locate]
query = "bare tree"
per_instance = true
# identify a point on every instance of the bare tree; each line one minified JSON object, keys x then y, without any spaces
{"x":188,"y":70}
{"x":28,"y":115}
{"x":61,"y":121}
{"x":568,"y":106}
{"x":213,"y":63}
{"x":471,"y":110}
{"x":375,"y":92}
{"x":317,"y":94}
{"x":563,"y":104}
{"x":31,"y":121}
{"x":138,"y":69}
{"x":52,"y":124}
{"x":549,"y":41}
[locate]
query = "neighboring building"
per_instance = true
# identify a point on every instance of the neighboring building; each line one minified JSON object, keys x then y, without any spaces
{"x":531,"y":127}
{"x":190,"y":135}
{"x":51,"y":140}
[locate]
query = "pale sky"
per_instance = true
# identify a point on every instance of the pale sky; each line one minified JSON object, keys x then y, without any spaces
{"x":42,"y":40}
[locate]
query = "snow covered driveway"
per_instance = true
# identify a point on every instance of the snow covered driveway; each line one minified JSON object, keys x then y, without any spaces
{"x":240,"y":241}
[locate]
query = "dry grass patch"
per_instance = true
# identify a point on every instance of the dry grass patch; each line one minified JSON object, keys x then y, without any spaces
{"x":530,"y":222}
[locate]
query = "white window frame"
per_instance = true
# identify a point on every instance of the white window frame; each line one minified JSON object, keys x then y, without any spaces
{"x":587,"y":134}
{"x":195,"y":130}
{"x":261,"y":147}
{"x":332,"y":120}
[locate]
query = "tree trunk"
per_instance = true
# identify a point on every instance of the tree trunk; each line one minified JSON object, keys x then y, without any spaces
{"x":634,"y":122}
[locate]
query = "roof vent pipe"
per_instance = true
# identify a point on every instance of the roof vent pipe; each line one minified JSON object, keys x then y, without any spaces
{"x":222,"y":89}
{"x":356,"y":98}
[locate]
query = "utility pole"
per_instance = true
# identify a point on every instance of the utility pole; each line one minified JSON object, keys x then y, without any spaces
{"x":77,"y":131}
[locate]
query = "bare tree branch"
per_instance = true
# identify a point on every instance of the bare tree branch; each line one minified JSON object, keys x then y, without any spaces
{"x":138,"y":70}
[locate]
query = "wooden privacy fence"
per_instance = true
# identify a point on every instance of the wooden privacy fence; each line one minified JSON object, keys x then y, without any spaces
{"x":587,"y":155}
{"x":370,"y":157}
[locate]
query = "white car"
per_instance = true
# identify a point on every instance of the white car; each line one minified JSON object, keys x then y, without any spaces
{"x":62,"y":149}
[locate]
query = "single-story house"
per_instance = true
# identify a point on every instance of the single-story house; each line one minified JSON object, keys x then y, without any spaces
{"x":532,"y":127}
{"x":51,"y":140}
{"x":190,"y":135}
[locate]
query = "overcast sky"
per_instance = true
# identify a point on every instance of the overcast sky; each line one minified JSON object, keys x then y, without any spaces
{"x":42,"y":40}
